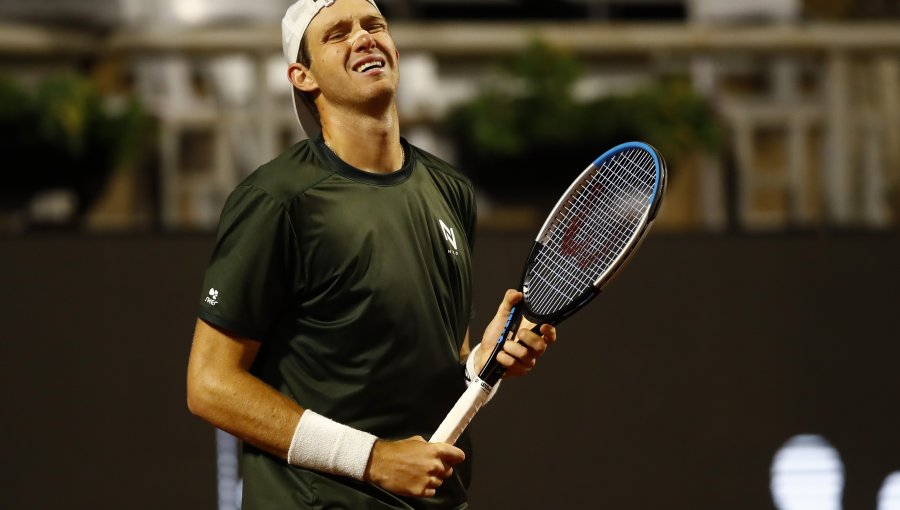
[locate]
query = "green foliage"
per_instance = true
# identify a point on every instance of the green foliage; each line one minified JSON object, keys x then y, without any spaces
{"x":64,"y":133}
{"x":532,"y":100}
{"x":666,"y":114}
{"x":531,"y":109}
{"x":19,"y":117}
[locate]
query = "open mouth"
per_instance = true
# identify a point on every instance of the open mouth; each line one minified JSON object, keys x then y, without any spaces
{"x":368,"y":65}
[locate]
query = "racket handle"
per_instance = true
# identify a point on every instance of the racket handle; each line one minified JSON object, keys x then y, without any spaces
{"x":462,"y":413}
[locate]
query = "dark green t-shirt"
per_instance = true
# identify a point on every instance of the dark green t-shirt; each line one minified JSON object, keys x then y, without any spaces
{"x":358,"y":285}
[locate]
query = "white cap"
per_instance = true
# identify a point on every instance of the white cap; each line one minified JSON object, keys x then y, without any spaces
{"x":293,"y":26}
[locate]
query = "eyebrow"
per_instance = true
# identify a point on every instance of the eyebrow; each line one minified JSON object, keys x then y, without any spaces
{"x":368,"y":18}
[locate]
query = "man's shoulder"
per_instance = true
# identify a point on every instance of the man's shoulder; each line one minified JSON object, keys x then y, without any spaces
{"x":291,"y":173}
{"x":441,"y":168}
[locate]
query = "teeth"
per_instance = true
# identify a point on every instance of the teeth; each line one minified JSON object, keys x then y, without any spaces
{"x":368,"y":66}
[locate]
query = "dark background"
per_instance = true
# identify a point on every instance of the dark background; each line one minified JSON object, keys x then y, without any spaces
{"x":673,"y":390}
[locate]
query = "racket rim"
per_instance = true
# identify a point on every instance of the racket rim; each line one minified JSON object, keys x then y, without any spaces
{"x":647,"y":219}
{"x":656,"y":194}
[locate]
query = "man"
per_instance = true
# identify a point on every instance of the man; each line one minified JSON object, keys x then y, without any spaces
{"x":331,"y":333}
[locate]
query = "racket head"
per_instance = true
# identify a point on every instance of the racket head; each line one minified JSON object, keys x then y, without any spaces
{"x":592,"y":231}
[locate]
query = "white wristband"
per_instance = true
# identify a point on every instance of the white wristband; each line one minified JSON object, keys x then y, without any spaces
{"x":331,"y":447}
{"x":471,"y":374}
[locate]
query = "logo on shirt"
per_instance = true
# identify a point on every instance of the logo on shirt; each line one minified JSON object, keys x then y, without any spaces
{"x":213,"y":297}
{"x":450,"y":236}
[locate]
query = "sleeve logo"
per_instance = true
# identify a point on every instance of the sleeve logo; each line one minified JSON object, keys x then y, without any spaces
{"x":213,"y":297}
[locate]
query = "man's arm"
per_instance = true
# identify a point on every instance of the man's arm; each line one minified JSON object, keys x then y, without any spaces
{"x":222,"y":391}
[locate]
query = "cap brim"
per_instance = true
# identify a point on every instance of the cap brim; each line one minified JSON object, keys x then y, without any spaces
{"x":306,"y":114}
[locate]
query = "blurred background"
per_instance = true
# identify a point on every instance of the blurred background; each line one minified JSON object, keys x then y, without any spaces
{"x":763,"y":373}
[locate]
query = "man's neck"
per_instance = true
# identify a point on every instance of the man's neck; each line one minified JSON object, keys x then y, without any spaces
{"x":368,"y":143}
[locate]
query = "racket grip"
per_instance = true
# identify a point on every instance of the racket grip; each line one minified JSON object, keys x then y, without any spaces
{"x":492,"y":371}
{"x":462,"y":413}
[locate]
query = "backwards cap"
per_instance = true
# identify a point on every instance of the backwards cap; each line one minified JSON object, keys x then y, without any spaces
{"x":294,"y":24}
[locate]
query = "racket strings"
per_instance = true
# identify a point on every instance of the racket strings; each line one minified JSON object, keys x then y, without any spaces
{"x":616,"y":200}
{"x":612,"y":205}
{"x":559,"y":279}
{"x":592,"y":230}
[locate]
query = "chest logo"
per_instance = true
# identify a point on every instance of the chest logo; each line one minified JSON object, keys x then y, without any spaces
{"x":450,"y":236}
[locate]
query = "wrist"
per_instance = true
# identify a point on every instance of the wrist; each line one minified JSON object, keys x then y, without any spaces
{"x":473,"y":364}
{"x":471,"y":372}
{"x":371,"y":474}
{"x":331,"y":447}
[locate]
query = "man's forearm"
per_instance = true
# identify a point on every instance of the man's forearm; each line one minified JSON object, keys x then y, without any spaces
{"x":246,"y":407}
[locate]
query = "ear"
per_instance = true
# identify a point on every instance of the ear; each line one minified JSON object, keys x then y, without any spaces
{"x":302,"y":78}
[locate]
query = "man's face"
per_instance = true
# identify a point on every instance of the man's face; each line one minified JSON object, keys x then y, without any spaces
{"x":353,"y":58}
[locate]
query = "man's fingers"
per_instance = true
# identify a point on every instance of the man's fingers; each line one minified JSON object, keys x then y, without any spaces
{"x":517,"y":350}
{"x":511,"y":297}
{"x":450,"y":454}
{"x":532,"y":341}
{"x":515,"y":366}
{"x":549,"y":333}
{"x":520,"y":357}
{"x":505,"y":359}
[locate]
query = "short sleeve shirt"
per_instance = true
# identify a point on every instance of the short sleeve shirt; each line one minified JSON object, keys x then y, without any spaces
{"x":358,"y":285}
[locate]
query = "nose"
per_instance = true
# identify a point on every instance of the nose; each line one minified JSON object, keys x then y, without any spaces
{"x":362,"y":40}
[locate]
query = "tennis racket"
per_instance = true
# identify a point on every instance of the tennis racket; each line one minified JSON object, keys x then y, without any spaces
{"x":592,"y":231}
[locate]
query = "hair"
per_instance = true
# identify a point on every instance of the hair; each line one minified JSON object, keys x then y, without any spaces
{"x":303,"y":55}
{"x":304,"y":60}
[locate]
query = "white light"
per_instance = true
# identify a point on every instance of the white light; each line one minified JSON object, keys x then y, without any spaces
{"x":807,"y":474}
{"x":889,"y":495}
{"x":230,"y":485}
{"x":191,"y":11}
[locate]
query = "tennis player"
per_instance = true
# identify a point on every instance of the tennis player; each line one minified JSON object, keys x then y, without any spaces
{"x":333,"y":330}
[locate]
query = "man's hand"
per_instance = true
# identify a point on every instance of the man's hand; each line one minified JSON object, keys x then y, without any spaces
{"x":412,"y":467}
{"x":517,"y":358}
